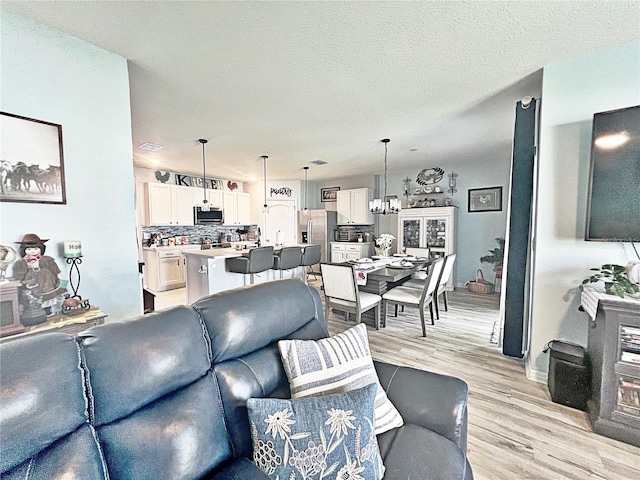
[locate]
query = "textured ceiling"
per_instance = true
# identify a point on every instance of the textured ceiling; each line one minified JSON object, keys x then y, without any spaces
{"x":301,"y":81}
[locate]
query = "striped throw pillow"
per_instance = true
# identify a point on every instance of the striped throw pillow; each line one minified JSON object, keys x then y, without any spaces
{"x":334,"y":365}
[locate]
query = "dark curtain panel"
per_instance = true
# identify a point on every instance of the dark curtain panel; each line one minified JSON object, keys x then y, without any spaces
{"x":519,"y":229}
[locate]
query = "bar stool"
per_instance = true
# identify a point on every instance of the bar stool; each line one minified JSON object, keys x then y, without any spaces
{"x":287,"y":258}
{"x":258,"y":260}
{"x":311,"y":255}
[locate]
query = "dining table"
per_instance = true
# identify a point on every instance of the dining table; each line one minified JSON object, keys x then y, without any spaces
{"x":382,"y":274}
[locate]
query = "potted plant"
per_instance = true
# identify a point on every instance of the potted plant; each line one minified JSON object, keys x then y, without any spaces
{"x":615,"y":279}
{"x":496,"y":258}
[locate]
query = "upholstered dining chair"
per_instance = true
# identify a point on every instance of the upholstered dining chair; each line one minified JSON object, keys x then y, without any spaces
{"x":342,"y":293}
{"x":257,"y":260}
{"x":441,"y":290}
{"x":407,"y":296}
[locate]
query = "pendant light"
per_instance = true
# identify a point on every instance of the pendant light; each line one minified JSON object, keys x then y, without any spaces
{"x":205,"y":203}
{"x":306,"y":171}
{"x":381,"y":206}
{"x":264,"y":175}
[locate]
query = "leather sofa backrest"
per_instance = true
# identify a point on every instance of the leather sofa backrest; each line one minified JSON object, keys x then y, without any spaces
{"x":245,"y":319}
{"x":158,"y":396}
{"x":244,"y":326}
{"x":152,"y":397}
{"x":44,"y":429}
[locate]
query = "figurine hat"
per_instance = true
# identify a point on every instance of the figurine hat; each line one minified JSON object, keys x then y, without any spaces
{"x":31,"y":238}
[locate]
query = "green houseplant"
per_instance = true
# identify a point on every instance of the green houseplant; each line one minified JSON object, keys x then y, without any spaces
{"x":615,"y":280}
{"x":497,"y":256}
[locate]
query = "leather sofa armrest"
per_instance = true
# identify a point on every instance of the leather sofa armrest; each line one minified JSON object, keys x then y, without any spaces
{"x":430,"y":400}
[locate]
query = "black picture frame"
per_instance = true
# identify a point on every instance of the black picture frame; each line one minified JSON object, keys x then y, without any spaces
{"x":329,"y":194}
{"x":31,"y":161}
{"x":487,"y":199}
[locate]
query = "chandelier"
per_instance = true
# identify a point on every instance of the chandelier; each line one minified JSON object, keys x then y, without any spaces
{"x":382,"y":205}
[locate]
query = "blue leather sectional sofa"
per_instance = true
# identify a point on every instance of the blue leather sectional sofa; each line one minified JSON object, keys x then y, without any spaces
{"x":163,"y":395}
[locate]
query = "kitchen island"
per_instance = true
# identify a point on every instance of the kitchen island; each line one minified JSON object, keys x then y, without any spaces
{"x":207,"y":274}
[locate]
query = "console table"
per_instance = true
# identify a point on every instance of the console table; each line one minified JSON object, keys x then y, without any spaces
{"x":70,"y":324}
{"x":614,"y":350}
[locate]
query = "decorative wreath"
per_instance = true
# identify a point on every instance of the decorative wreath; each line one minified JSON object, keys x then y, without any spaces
{"x":430,"y":176}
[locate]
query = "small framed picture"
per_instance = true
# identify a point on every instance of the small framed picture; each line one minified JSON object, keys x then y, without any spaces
{"x":485,"y":199}
{"x":329,"y":194}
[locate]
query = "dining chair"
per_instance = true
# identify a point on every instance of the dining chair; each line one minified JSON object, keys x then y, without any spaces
{"x":407,"y":296}
{"x":341,"y":292}
{"x":441,"y":290}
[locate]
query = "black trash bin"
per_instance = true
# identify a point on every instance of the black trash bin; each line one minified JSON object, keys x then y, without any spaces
{"x":569,"y":378}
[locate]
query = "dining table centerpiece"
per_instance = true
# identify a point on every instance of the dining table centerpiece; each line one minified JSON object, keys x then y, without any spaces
{"x":385,"y":241}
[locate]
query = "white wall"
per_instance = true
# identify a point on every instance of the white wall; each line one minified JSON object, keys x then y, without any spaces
{"x":51,"y":76}
{"x":572,"y":92}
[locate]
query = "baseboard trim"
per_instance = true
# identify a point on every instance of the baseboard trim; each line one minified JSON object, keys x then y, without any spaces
{"x":535,"y":375}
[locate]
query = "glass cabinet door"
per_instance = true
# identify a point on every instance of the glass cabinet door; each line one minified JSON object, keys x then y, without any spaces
{"x":436,"y":233}
{"x":411,"y":232}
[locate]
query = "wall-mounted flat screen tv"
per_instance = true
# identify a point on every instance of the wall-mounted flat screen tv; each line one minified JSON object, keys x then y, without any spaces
{"x":613,"y":211}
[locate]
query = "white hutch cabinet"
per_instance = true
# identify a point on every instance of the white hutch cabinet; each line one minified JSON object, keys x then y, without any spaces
{"x":431,"y":228}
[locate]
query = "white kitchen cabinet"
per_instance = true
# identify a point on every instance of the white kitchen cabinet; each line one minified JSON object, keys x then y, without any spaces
{"x":168,"y":204}
{"x":236,"y":208}
{"x":164,"y":269}
{"x":431,"y":228}
{"x":346,"y":251}
{"x":183,"y":201}
{"x":353,"y":206}
{"x":214,"y":197}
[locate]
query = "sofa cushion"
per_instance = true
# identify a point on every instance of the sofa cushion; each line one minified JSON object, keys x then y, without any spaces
{"x":181,"y":435}
{"x":74,"y":456}
{"x":132,"y":363}
{"x":258,"y":374}
{"x":240,"y":469}
{"x":336,"y":364}
{"x":331,"y":436}
{"x":35,"y":411}
{"x":439,"y":458}
{"x":154,"y":402}
{"x":246,"y":319}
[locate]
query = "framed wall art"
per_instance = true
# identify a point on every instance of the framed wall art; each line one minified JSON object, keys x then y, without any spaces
{"x":31,"y":160}
{"x":329,"y":194}
{"x":485,"y":199}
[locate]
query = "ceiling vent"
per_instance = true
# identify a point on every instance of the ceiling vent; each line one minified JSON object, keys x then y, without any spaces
{"x":150,"y":147}
{"x":319,"y":162}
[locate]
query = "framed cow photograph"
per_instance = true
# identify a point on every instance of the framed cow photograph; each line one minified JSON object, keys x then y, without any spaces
{"x":31,"y":160}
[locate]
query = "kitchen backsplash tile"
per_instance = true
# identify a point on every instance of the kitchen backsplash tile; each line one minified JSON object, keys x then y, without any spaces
{"x":197,"y":232}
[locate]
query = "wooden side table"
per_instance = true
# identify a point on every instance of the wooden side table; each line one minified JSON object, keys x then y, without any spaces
{"x":71,"y":324}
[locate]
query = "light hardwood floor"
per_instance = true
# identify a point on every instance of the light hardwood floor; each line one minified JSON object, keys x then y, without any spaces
{"x":515,"y":430}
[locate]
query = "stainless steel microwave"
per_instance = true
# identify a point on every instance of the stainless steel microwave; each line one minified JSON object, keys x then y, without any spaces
{"x":212,"y":217}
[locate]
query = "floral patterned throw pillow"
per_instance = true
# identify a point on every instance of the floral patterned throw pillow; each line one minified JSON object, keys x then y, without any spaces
{"x":325,"y":437}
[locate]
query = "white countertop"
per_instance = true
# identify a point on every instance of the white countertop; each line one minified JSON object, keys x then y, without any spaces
{"x":191,"y":246}
{"x":216,"y":252}
{"x":232,"y":252}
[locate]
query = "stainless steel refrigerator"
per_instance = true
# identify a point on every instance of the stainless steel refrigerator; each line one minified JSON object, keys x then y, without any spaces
{"x":317,"y":227}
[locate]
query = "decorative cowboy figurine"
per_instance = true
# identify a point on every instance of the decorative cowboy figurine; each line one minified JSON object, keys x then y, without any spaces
{"x":40,"y":277}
